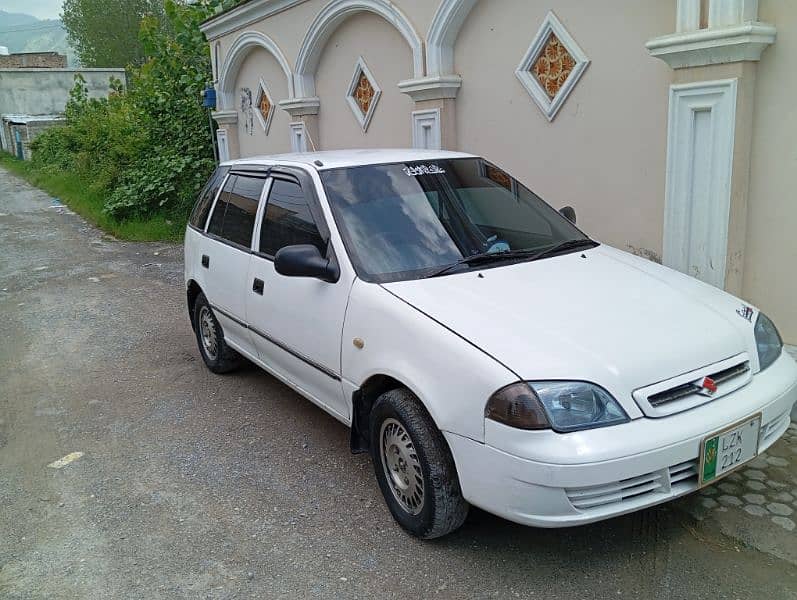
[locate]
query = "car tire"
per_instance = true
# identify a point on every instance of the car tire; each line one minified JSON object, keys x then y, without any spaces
{"x":414,"y":467}
{"x":218,"y":356}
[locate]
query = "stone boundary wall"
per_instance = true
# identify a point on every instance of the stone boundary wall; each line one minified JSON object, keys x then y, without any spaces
{"x":33,"y":60}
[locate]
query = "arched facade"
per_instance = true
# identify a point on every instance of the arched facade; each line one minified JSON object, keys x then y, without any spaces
{"x":442,"y":36}
{"x":577,"y":103}
{"x":327,"y":22}
{"x":240,"y":49}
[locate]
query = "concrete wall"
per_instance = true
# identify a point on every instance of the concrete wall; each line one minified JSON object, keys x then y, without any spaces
{"x":771,"y":253}
{"x":605,"y":152}
{"x":46,"y":91}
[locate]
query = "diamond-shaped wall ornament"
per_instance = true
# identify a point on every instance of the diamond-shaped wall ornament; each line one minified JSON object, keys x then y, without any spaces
{"x":264,"y":106}
{"x":552,"y":66}
{"x":363,"y":94}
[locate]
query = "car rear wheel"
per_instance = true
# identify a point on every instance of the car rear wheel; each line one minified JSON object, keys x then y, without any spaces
{"x":414,"y":467}
{"x":218,"y":356}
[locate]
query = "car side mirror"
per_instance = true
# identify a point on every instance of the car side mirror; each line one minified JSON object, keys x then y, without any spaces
{"x":569,"y":213}
{"x":304,"y":260}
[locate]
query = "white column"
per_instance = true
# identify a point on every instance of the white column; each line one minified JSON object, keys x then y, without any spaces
{"x":687,"y":17}
{"x":700,"y":146}
{"x":298,"y":137}
{"x":426,"y":132}
{"x":724,"y":13}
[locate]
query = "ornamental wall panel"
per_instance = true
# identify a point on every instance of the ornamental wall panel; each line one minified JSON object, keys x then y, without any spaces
{"x":552,"y":66}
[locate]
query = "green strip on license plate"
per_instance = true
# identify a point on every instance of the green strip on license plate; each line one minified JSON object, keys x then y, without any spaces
{"x":710,"y":458}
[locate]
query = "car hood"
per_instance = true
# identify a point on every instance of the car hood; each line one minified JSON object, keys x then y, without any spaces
{"x":601,"y":315}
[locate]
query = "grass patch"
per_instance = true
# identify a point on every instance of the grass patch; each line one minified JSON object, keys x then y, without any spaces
{"x":71,"y":190}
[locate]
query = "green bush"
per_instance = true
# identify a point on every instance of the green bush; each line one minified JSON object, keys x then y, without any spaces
{"x":147,"y":150}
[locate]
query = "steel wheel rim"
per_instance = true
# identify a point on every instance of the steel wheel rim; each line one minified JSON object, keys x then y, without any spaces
{"x":208,"y":334}
{"x":401,"y":466}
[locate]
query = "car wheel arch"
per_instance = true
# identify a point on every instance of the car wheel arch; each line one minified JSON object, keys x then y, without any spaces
{"x":363,"y":400}
{"x":192,"y":293}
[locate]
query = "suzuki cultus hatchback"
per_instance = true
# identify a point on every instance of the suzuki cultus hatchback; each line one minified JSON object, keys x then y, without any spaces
{"x":482,"y":348}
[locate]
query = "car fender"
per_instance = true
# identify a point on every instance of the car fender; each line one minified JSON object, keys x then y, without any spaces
{"x":383,"y":335}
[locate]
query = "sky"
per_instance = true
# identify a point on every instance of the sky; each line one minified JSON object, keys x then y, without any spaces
{"x":42,"y":9}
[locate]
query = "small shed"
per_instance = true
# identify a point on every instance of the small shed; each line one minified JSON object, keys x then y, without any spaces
{"x":18,"y":131}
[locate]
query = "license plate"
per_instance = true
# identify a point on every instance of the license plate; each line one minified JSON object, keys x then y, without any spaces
{"x":724,"y":451}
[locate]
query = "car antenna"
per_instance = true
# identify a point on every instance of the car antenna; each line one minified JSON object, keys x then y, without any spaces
{"x":309,"y":137}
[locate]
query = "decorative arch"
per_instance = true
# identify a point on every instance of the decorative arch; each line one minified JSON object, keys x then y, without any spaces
{"x":330,"y":18}
{"x":447,"y":22}
{"x":216,"y":61}
{"x":240,"y":49}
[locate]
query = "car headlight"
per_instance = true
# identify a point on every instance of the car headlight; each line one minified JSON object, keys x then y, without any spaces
{"x":559,"y":405}
{"x":767,"y":340}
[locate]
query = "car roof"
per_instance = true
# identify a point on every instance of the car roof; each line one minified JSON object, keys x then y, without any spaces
{"x":336,"y":159}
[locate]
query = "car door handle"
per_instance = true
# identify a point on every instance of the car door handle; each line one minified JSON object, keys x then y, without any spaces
{"x":205,"y":261}
{"x":257,"y":286}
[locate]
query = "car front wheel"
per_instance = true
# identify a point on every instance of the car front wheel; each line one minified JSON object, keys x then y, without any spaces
{"x":414,"y":467}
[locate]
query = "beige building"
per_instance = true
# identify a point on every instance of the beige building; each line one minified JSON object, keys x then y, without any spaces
{"x":670,"y":125}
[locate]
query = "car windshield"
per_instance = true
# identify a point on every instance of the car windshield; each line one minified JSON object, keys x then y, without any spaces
{"x":410,"y":220}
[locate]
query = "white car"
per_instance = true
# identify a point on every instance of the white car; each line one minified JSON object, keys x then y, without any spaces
{"x":480,"y":346}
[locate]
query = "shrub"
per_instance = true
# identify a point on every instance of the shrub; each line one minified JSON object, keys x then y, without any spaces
{"x":147,"y":149}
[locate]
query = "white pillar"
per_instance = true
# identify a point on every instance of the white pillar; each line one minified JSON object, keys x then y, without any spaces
{"x":724,"y":13}
{"x":687,"y":15}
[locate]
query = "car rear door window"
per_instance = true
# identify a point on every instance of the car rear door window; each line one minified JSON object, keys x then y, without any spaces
{"x":288,"y":220}
{"x":217,"y":218}
{"x":199,"y":216}
{"x":233,"y":218}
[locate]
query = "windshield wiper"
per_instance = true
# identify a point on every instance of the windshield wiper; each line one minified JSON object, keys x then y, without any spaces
{"x":566,"y":245}
{"x":483,"y":258}
{"x":488,"y":257}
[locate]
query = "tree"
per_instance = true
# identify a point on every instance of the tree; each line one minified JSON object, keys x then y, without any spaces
{"x":146,"y":150}
{"x":165,"y":93}
{"x":105,"y":33}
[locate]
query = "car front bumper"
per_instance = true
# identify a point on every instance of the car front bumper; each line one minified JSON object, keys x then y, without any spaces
{"x":545,"y":479}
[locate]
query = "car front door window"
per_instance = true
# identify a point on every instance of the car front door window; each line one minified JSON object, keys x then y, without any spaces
{"x":288,"y":220}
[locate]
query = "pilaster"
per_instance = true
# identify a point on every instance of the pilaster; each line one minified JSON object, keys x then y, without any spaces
{"x":726,"y":48}
{"x":228,"y":121}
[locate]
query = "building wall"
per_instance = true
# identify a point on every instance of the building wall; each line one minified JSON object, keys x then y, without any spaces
{"x":771,"y":251}
{"x":260,"y":64}
{"x":390,"y":60}
{"x":605,"y":151}
{"x":33,"y":60}
{"x":45,"y":92}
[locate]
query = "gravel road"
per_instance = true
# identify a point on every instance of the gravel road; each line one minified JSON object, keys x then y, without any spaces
{"x":192,"y":485}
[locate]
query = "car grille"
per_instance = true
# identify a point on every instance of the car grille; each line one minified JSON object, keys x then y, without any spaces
{"x":682,"y":393}
{"x":688,"y":389}
{"x":660,"y":485}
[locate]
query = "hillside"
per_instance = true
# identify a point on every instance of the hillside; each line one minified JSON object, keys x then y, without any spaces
{"x":24,"y":33}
